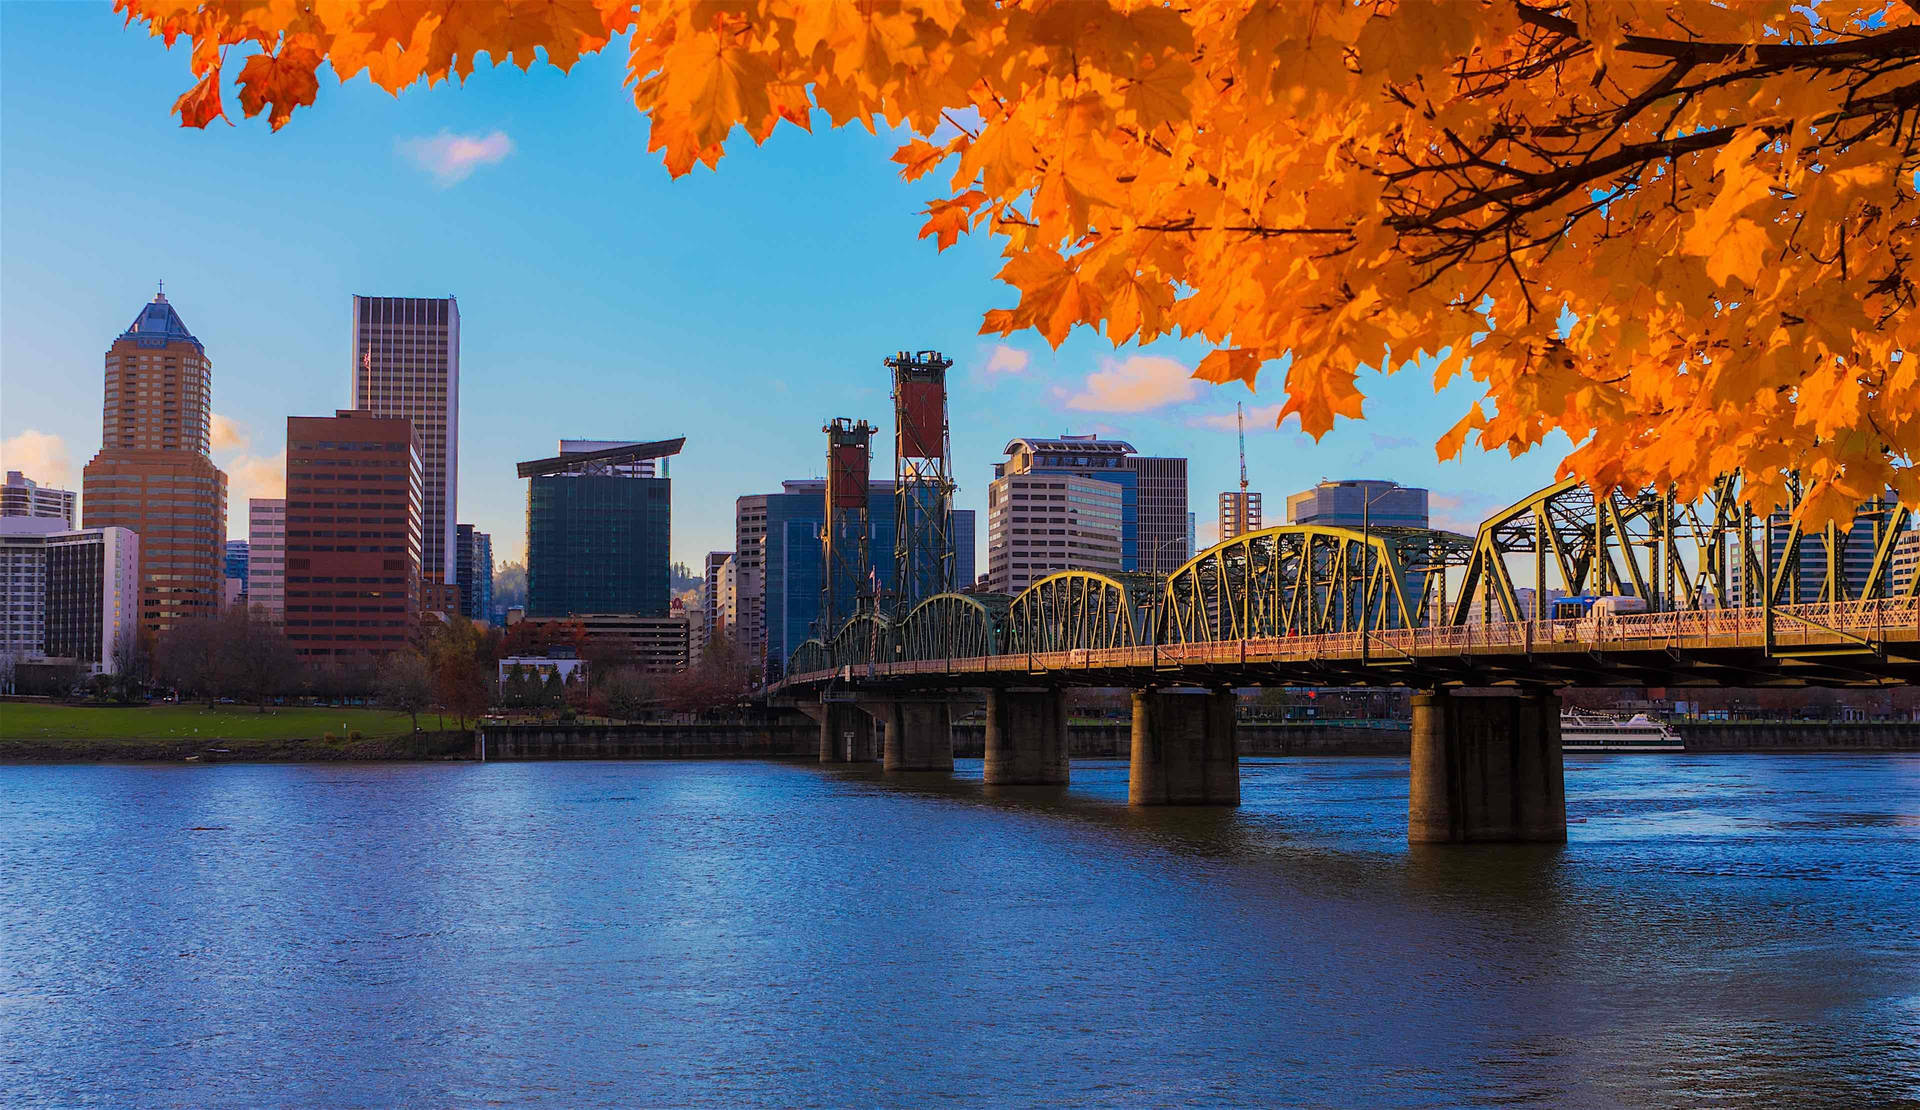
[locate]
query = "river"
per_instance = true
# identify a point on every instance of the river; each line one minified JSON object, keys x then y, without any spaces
{"x":1720,"y":930}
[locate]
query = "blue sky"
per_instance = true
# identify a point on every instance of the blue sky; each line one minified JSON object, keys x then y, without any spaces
{"x":599,"y":298}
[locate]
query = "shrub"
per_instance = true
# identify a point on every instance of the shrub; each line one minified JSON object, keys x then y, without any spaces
{"x":355,"y":735}
{"x":329,"y":737}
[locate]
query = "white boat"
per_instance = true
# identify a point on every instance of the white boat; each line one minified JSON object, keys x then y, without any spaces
{"x":1581,"y":731}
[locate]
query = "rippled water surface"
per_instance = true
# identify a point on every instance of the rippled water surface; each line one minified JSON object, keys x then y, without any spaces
{"x":1719,"y":931}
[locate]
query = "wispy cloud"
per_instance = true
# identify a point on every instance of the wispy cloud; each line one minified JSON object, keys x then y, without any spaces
{"x":1259,"y":417}
{"x":1006,"y":360}
{"x":228,"y":434}
{"x":248,"y":475}
{"x":1384,"y":442}
{"x":41,"y":456}
{"x":452,"y":158}
{"x":1461,"y":510}
{"x":1135,"y":384}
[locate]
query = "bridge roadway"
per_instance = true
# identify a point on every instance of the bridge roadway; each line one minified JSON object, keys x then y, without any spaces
{"x":1486,"y":763}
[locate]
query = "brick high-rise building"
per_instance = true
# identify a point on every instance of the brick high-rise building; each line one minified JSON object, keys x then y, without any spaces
{"x":153,"y":475}
{"x":353,"y":583}
{"x":406,"y":362}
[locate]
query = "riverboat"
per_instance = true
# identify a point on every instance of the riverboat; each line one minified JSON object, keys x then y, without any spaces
{"x":1596,"y":732}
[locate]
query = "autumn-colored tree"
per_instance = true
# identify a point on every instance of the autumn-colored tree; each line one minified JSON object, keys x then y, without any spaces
{"x":1675,"y":230}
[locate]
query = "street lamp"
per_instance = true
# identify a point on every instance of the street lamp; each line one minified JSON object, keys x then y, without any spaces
{"x":1162,"y":547}
{"x":1366,"y":551}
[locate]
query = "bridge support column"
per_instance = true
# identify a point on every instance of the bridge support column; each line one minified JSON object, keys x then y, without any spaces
{"x":917,"y":734}
{"x":1185,"y":750}
{"x":1486,"y":769}
{"x":1026,"y":737}
{"x":846,"y":734}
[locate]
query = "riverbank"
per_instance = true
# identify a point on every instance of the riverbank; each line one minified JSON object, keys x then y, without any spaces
{"x":449,"y":745}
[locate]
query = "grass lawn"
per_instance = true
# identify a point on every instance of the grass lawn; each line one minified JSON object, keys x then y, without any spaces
{"x":34,"y":721}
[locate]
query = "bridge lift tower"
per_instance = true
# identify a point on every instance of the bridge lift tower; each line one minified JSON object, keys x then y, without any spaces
{"x":846,"y":565}
{"x":923,"y":486}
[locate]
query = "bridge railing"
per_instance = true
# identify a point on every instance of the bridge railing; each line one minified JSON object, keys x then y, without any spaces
{"x":1861,"y":623}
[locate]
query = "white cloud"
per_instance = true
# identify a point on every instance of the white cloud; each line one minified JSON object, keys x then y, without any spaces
{"x":1462,"y":510}
{"x":452,"y":158}
{"x":1135,"y":384}
{"x":1006,"y":360}
{"x":41,"y":456}
{"x":250,"y":476}
{"x":228,"y":434}
{"x":1259,"y":417}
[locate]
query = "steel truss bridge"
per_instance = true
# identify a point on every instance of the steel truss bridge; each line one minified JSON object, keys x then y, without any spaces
{"x":1732,"y":600}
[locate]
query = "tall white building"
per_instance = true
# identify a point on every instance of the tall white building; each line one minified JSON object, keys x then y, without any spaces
{"x":267,"y":555}
{"x":1040,"y":522}
{"x":406,"y":362}
{"x":67,"y":594}
{"x":22,"y":496}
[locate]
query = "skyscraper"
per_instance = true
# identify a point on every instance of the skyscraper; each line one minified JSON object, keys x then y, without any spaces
{"x":1153,"y":491}
{"x":406,"y":362}
{"x":153,"y":475}
{"x":1040,"y":522}
{"x":353,"y":584}
{"x":1357,"y":502}
{"x":22,"y":496}
{"x":1160,"y":541}
{"x":267,"y":555}
{"x":473,"y":567}
{"x":599,"y":529}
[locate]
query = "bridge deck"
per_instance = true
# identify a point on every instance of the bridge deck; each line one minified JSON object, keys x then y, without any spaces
{"x":1859,"y":643}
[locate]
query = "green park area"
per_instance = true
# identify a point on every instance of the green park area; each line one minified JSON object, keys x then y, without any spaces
{"x":35,"y":721}
{"x":36,"y":730}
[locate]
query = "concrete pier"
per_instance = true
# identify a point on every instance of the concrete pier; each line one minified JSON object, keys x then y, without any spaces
{"x":1486,"y":769}
{"x":1026,"y":737}
{"x":846,"y":734}
{"x":1185,"y":751}
{"x":916,"y":734}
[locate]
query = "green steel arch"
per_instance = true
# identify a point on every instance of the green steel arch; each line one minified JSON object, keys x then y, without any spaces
{"x":1672,"y":554}
{"x":1076,"y":609}
{"x":810,"y":657}
{"x":1302,"y":579}
{"x":953,"y":626}
{"x":867,"y":637}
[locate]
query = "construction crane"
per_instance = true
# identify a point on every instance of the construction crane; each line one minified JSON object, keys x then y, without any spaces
{"x":1240,"y":422}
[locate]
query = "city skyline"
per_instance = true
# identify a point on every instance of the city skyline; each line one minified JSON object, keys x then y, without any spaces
{"x":656,"y":312}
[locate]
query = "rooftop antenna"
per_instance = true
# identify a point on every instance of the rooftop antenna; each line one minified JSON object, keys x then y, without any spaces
{"x":1240,"y":422}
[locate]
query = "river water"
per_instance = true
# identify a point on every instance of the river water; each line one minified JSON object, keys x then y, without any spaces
{"x":1721,"y":930}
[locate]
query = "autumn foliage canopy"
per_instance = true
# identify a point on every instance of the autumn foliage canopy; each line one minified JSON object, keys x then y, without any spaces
{"x":1676,"y":231}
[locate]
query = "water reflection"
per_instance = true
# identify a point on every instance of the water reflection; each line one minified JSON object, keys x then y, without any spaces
{"x":1720,"y":929}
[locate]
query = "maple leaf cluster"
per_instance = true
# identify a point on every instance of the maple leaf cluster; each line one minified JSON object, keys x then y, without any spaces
{"x":1676,"y":231}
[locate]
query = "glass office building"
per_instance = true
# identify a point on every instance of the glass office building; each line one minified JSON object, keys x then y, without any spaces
{"x":598,"y":543}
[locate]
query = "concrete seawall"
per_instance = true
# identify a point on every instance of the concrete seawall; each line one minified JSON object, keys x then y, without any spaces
{"x":1800,"y":736}
{"x":701,"y":740}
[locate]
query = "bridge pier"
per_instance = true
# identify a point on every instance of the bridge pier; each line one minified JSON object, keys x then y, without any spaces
{"x":1185,"y":750}
{"x":1486,"y":770}
{"x":917,"y":733}
{"x":1026,"y":737}
{"x":846,"y":734}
